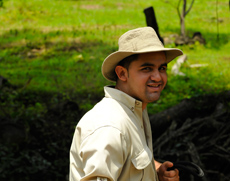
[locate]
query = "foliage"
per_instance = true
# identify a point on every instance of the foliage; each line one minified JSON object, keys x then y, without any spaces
{"x":35,"y":136}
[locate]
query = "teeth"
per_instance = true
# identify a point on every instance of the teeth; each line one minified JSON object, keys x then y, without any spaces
{"x":153,"y":85}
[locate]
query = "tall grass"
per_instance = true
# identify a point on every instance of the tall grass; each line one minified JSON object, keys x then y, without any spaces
{"x":58,"y":46}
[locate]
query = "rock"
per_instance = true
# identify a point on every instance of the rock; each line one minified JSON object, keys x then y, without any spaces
{"x":185,"y":40}
{"x":197,"y":36}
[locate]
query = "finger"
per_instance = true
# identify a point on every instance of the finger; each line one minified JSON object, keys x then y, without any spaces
{"x":176,"y":178}
{"x":177,"y":171}
{"x":171,"y":173}
{"x":167,"y":165}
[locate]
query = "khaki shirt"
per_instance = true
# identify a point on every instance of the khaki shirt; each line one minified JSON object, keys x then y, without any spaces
{"x":113,"y":141}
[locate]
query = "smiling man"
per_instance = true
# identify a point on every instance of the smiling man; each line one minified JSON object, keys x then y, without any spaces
{"x":145,"y":78}
{"x":113,"y":141}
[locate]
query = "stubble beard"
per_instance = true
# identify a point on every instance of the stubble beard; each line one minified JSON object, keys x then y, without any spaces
{"x":152,"y":97}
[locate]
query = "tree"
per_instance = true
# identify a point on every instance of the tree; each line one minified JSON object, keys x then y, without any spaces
{"x":182,"y":15}
{"x":182,"y":11}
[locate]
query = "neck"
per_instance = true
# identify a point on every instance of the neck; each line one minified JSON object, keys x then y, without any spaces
{"x":122,"y":88}
{"x":144,"y":105}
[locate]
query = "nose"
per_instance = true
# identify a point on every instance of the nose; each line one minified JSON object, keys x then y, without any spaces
{"x":156,"y":76}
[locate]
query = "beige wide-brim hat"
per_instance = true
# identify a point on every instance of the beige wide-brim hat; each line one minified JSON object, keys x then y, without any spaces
{"x":137,"y":41}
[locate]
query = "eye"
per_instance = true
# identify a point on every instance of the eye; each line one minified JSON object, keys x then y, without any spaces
{"x":147,"y":69}
{"x":164,"y":68}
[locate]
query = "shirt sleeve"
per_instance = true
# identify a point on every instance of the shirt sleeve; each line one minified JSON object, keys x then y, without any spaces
{"x":103,"y":154}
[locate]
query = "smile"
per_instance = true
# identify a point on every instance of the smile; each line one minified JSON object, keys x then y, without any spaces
{"x":154,"y":85}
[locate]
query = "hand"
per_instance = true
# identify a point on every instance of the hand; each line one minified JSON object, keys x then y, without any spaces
{"x":164,"y":175}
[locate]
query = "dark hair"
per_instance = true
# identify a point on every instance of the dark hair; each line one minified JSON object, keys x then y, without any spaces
{"x":127,"y":61}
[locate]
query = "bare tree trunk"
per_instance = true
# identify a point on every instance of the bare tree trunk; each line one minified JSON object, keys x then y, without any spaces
{"x":182,"y":15}
{"x":182,"y":19}
{"x":182,"y":26}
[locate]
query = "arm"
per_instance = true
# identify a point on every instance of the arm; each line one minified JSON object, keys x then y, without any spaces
{"x":101,"y":154}
{"x":163,"y":174}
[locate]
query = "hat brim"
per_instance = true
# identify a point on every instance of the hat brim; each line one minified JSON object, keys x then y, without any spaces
{"x":110,"y":62}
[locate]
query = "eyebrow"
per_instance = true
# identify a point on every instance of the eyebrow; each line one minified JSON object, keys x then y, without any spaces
{"x":150,"y":64}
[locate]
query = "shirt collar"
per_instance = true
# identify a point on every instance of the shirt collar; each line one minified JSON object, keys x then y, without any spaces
{"x":122,"y":97}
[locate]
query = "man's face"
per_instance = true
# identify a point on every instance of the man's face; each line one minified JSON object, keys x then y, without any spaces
{"x":147,"y":77}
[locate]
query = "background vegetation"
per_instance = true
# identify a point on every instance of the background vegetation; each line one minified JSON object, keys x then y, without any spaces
{"x":51,"y":54}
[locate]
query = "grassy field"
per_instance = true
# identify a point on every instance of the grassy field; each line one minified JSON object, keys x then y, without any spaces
{"x":58,"y":46}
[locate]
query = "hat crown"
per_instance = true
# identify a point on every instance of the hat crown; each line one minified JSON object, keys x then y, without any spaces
{"x":139,"y":39}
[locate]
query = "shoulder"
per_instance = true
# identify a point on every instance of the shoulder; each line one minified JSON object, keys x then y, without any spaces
{"x":108,"y":113}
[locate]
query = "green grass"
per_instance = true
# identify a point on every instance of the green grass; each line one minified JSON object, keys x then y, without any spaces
{"x":59,"y":45}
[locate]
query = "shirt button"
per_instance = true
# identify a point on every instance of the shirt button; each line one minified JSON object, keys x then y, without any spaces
{"x":137,"y":103}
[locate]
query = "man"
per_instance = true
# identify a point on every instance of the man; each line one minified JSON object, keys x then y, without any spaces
{"x":113,"y":140}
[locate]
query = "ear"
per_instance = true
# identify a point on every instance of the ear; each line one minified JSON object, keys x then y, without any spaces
{"x":121,"y":72}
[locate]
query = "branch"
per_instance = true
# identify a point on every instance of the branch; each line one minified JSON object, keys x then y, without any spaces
{"x":190,"y":7}
{"x":178,"y":9}
{"x":184,"y":8}
{"x":173,"y":5}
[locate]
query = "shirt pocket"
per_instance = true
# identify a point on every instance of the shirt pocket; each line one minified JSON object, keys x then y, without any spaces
{"x":143,"y":159}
